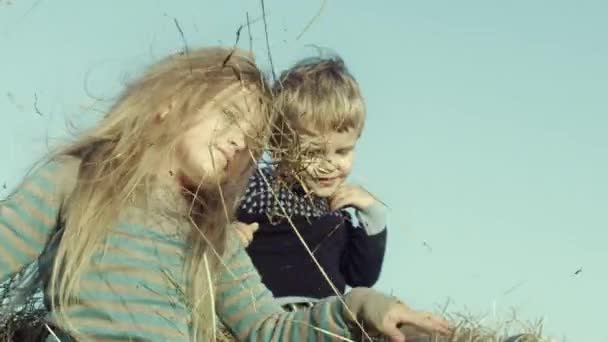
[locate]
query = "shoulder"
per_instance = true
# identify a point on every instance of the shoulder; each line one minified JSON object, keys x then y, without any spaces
{"x":55,"y":168}
{"x":51,"y":179}
{"x":260,"y":183}
{"x":60,"y":168}
{"x":261,"y":193}
{"x":65,"y":170}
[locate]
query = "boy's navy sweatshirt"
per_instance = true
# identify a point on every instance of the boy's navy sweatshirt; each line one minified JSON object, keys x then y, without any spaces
{"x":350,"y":248}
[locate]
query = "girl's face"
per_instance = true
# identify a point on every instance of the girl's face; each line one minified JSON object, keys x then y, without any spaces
{"x":218,"y":144}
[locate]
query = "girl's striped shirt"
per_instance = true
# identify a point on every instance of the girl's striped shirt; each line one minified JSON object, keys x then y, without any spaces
{"x":133,"y":290}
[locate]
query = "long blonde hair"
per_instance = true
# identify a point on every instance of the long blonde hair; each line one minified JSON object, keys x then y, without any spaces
{"x":116,"y":163}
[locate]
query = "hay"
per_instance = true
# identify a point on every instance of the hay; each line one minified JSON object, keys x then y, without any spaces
{"x":467,"y":330}
{"x":20,"y":325}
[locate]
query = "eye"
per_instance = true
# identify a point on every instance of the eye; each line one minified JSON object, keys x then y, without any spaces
{"x":231,"y":115}
{"x":313,"y":152}
{"x":344,"y":151}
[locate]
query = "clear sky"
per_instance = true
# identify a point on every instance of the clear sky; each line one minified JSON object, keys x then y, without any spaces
{"x":486,"y":133}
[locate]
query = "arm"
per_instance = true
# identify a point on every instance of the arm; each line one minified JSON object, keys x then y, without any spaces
{"x":29,"y":216}
{"x":364,"y":254}
{"x":129,"y":294}
{"x":249,"y":310}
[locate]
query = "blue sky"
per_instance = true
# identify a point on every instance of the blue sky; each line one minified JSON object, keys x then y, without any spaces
{"x":486,"y":131}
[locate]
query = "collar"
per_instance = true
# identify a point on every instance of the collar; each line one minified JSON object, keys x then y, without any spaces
{"x":267,"y":192}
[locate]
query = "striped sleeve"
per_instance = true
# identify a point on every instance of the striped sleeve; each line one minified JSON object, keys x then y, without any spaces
{"x":249,"y":310}
{"x":30,"y":215}
{"x":132,"y":290}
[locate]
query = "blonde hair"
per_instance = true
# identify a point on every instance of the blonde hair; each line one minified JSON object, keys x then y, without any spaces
{"x":316,"y":94}
{"x":320,"y":93}
{"x":118,"y":162}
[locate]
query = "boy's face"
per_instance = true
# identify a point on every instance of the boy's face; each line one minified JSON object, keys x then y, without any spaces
{"x":328,"y":160}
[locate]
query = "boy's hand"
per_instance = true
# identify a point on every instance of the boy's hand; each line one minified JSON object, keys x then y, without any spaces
{"x":245,"y":231}
{"x":351,"y":195}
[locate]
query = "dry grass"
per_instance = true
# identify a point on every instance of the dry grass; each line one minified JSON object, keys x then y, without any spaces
{"x":471,"y":330}
{"x":468,"y":330}
{"x":468,"y":327}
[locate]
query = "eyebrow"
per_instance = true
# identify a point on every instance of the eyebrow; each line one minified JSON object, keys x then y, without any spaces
{"x":346,"y":147}
{"x":313,"y":146}
{"x":232,"y":107}
{"x":306,"y":131}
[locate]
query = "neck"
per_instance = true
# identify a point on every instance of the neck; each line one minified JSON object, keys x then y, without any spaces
{"x":170,"y":174}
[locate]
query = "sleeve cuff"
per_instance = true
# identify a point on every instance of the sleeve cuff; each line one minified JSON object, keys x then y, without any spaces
{"x":373,"y":219}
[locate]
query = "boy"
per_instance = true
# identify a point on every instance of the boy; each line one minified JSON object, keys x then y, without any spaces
{"x":344,"y":226}
{"x":324,"y":114}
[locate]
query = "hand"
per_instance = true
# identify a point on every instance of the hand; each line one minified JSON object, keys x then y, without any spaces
{"x":245,"y":231}
{"x":408,"y":323}
{"x":387,"y":315}
{"x":351,"y":195}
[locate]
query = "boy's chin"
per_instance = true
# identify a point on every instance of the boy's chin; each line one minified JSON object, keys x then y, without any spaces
{"x":323,"y":191}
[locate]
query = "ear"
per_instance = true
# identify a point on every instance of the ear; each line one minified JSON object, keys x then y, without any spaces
{"x":161,"y":115}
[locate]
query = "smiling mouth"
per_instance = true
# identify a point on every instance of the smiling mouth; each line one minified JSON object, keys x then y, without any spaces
{"x":327,"y":181}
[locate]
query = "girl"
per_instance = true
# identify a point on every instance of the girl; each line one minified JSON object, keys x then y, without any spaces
{"x":128,"y":223}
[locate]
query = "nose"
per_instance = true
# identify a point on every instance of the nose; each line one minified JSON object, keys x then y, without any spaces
{"x":327,"y":166}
